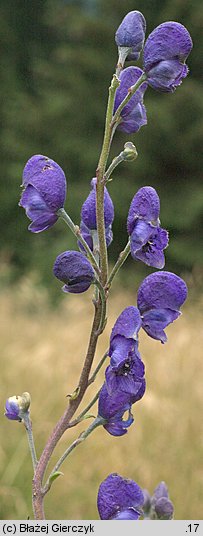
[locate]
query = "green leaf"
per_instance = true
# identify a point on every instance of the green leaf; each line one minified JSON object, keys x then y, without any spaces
{"x":55,"y":476}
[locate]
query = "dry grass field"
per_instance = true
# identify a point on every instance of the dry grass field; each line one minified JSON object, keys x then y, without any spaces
{"x":42,"y":350}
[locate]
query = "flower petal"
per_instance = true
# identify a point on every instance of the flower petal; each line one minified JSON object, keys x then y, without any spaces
{"x":118,"y":494}
{"x":170,"y":40}
{"x":134,"y":120}
{"x":44,"y":222}
{"x":146,"y":206}
{"x":161,"y":290}
{"x":156,"y":320}
{"x":48,"y":178}
{"x":127,"y":324}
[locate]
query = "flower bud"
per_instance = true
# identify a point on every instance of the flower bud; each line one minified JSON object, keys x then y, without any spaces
{"x":74,"y":270}
{"x":131,"y":34}
{"x":17,"y":406}
{"x":130,"y":152}
{"x":164,"y":508}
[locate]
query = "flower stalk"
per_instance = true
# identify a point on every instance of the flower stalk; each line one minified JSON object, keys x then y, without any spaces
{"x":101,"y":181}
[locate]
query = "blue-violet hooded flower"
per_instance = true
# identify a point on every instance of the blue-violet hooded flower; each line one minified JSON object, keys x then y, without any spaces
{"x":133,"y":115}
{"x":126,"y":370}
{"x":44,"y":192}
{"x":119,"y":498}
{"x":147,"y":238}
{"x":159,"y":299}
{"x":131,"y":34}
{"x":165,"y":52}
{"x":74,"y":270}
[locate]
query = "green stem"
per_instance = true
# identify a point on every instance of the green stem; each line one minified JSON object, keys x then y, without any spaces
{"x":122,"y":55}
{"x":130,"y":93}
{"x":121,"y":259}
{"x":97,"y":422}
{"x":83,"y":413}
{"x":100,"y":180}
{"x":76,"y":231}
{"x":95,"y":242}
{"x":28,"y":426}
{"x":103,"y":307}
{"x":103,"y":359}
{"x":115,"y":162}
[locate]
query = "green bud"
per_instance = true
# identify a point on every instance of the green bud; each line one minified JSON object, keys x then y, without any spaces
{"x":130,"y":152}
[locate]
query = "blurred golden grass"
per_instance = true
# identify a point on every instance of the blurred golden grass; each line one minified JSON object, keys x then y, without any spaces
{"x":42,"y":352}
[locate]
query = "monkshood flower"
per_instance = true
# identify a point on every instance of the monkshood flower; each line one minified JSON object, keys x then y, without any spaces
{"x":131,"y":34}
{"x":159,"y":299}
{"x":133,"y":115}
{"x":74,"y":270}
{"x":44,"y":192}
{"x":119,"y":498}
{"x":147,"y":238}
{"x":165,"y":52}
{"x":159,"y":506}
{"x":88,"y":226}
{"x":112,"y":409}
{"x":126,"y":370}
{"x":17,"y":406}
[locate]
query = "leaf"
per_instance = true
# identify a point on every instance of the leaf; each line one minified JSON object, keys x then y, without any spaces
{"x":55,"y":476}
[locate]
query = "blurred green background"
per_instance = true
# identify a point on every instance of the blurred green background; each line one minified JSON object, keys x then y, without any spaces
{"x":57,"y":61}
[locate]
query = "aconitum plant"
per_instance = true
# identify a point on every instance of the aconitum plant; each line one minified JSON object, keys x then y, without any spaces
{"x":159,"y":297}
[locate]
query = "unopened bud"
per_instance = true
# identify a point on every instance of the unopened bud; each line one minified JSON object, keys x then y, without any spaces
{"x":17,"y":406}
{"x":130,"y":152}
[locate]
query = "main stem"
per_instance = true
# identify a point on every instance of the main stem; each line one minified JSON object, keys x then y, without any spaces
{"x":101,"y":181}
{"x":63,"y":423}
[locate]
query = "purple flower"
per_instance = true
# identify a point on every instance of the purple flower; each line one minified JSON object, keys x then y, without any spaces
{"x":126,"y":370}
{"x":133,"y":115}
{"x":74,"y":270}
{"x":112,"y":409}
{"x":44,"y":192}
{"x":159,"y":299}
{"x":159,"y":506}
{"x":88,"y":226}
{"x":165,"y":52}
{"x":131,"y":34}
{"x":119,"y":498}
{"x":147,"y":238}
{"x":17,"y":406}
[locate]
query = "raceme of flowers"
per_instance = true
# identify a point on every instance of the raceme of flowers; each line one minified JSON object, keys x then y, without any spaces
{"x":161,"y":294}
